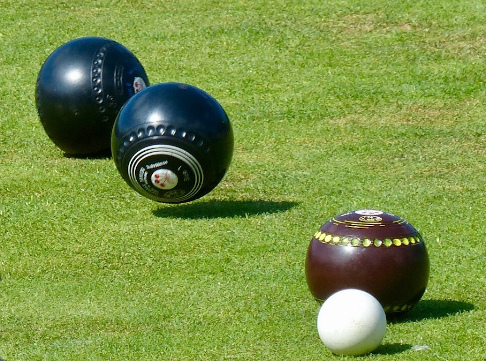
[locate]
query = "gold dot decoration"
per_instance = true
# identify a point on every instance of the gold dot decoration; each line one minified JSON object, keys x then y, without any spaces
{"x":336,"y":240}
{"x":397,"y":308}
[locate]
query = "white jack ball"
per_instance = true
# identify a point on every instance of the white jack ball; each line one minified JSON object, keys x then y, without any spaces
{"x":351,"y":322}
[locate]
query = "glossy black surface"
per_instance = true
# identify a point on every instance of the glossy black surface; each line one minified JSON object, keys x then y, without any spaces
{"x":80,"y":89}
{"x":177,"y":118}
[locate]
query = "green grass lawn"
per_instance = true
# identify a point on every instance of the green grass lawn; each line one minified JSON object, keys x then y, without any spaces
{"x":336,"y":106}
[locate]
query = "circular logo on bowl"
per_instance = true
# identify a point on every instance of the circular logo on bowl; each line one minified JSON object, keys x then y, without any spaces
{"x":138,"y":84}
{"x":165,"y":173}
{"x":164,"y":179}
{"x":369,"y":212}
{"x":375,"y":219}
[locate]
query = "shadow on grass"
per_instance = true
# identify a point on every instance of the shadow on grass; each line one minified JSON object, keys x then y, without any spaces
{"x":222,"y":209}
{"x":433,"y":309}
{"x":104,"y":154}
{"x":391,"y":349}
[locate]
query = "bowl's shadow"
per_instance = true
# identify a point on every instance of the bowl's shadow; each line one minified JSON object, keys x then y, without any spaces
{"x":104,"y":154}
{"x":222,"y":209}
{"x":433,"y":309}
{"x":425,"y":309}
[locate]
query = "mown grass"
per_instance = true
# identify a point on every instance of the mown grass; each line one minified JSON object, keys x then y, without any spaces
{"x":336,"y":105}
